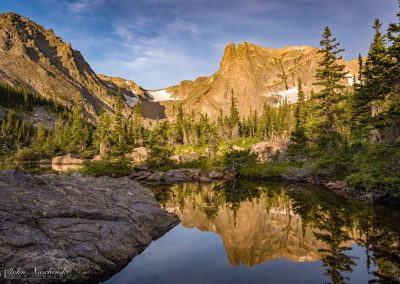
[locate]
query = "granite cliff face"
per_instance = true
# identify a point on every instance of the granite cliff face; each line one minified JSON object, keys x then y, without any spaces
{"x":255,"y":75}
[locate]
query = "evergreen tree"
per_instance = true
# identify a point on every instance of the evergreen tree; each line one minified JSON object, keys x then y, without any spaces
{"x":234,"y":118}
{"x":328,"y":102}
{"x":298,"y":137}
{"x":300,"y":107}
{"x":80,"y":133}
{"x":137,"y":128}
{"x":103,"y":134}
{"x":266,"y":122}
{"x":370,"y":94}
{"x":41,"y":135}
{"x":119,"y":133}
{"x":393,"y":80}
{"x":179,"y":127}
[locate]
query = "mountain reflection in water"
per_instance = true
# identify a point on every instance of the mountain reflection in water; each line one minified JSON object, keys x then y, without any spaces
{"x":263,"y":222}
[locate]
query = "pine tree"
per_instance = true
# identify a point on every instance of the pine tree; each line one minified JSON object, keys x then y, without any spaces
{"x":266,"y":123}
{"x":370,"y":92}
{"x":41,"y":135}
{"x":137,"y":128}
{"x":298,"y":135}
{"x":393,"y":80}
{"x":328,"y":102}
{"x":234,"y":118}
{"x":179,"y":127}
{"x":119,"y":133}
{"x":103,"y":134}
{"x":80,"y":133}
{"x":300,"y":107}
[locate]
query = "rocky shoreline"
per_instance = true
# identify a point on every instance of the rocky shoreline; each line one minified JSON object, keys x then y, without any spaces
{"x":87,"y":227}
{"x":143,"y":174}
{"x":339,"y":187}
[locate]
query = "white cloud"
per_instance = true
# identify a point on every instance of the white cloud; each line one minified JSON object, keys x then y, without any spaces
{"x":80,"y":6}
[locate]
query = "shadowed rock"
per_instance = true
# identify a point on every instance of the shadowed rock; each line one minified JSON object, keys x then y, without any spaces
{"x":92,"y":227}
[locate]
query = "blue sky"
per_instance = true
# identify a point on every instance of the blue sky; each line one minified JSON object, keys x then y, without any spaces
{"x":158,"y":43}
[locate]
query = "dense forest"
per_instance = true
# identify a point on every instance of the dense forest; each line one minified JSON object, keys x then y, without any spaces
{"x":338,"y":132}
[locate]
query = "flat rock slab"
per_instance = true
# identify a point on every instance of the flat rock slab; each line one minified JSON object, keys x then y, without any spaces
{"x":87,"y":227}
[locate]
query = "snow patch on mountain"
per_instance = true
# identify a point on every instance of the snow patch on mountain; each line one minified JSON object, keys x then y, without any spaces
{"x":350,"y":79}
{"x":161,"y":95}
{"x":290,"y":95}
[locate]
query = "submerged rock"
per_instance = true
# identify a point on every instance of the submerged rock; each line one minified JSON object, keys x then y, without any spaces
{"x":68,"y":159}
{"x":91,"y":227}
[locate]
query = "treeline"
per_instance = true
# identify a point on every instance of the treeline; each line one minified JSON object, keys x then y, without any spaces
{"x":16,"y":130}
{"x":14,"y":97}
{"x":187,"y":128}
{"x":115,"y":135}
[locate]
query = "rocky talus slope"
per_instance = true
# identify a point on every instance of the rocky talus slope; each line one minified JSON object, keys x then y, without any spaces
{"x":133,"y":93}
{"x":91,"y":227}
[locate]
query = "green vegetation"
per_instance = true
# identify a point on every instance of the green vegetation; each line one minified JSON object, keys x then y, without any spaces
{"x":113,"y":168}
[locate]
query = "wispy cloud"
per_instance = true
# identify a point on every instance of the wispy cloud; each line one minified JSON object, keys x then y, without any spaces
{"x":79,"y":6}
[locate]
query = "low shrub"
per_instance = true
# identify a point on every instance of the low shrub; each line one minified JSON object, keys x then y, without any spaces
{"x":112,"y":168}
{"x":273,"y":169}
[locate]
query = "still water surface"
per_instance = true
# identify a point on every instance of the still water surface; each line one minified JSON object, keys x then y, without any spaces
{"x":246,"y":232}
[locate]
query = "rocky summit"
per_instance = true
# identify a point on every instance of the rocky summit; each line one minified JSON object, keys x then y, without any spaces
{"x":87,"y":227}
{"x":255,"y":75}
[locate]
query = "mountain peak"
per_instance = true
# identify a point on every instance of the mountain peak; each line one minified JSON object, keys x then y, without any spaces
{"x":38,"y":59}
{"x":256,"y":75}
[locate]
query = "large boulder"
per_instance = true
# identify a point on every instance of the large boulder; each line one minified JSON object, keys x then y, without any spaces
{"x":193,"y":174}
{"x":155,"y":177}
{"x":68,"y":159}
{"x":141,"y":167}
{"x":266,"y":150}
{"x":140,"y":175}
{"x":180,"y":159}
{"x":91,"y":227}
{"x":138,"y":155}
{"x":175,"y":176}
{"x":215,"y":175}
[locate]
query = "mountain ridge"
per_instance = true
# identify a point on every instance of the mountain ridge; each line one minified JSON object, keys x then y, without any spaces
{"x":38,"y":59}
{"x":34,"y":57}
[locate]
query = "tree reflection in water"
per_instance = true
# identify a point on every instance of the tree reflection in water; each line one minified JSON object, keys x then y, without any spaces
{"x":259,"y":222}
